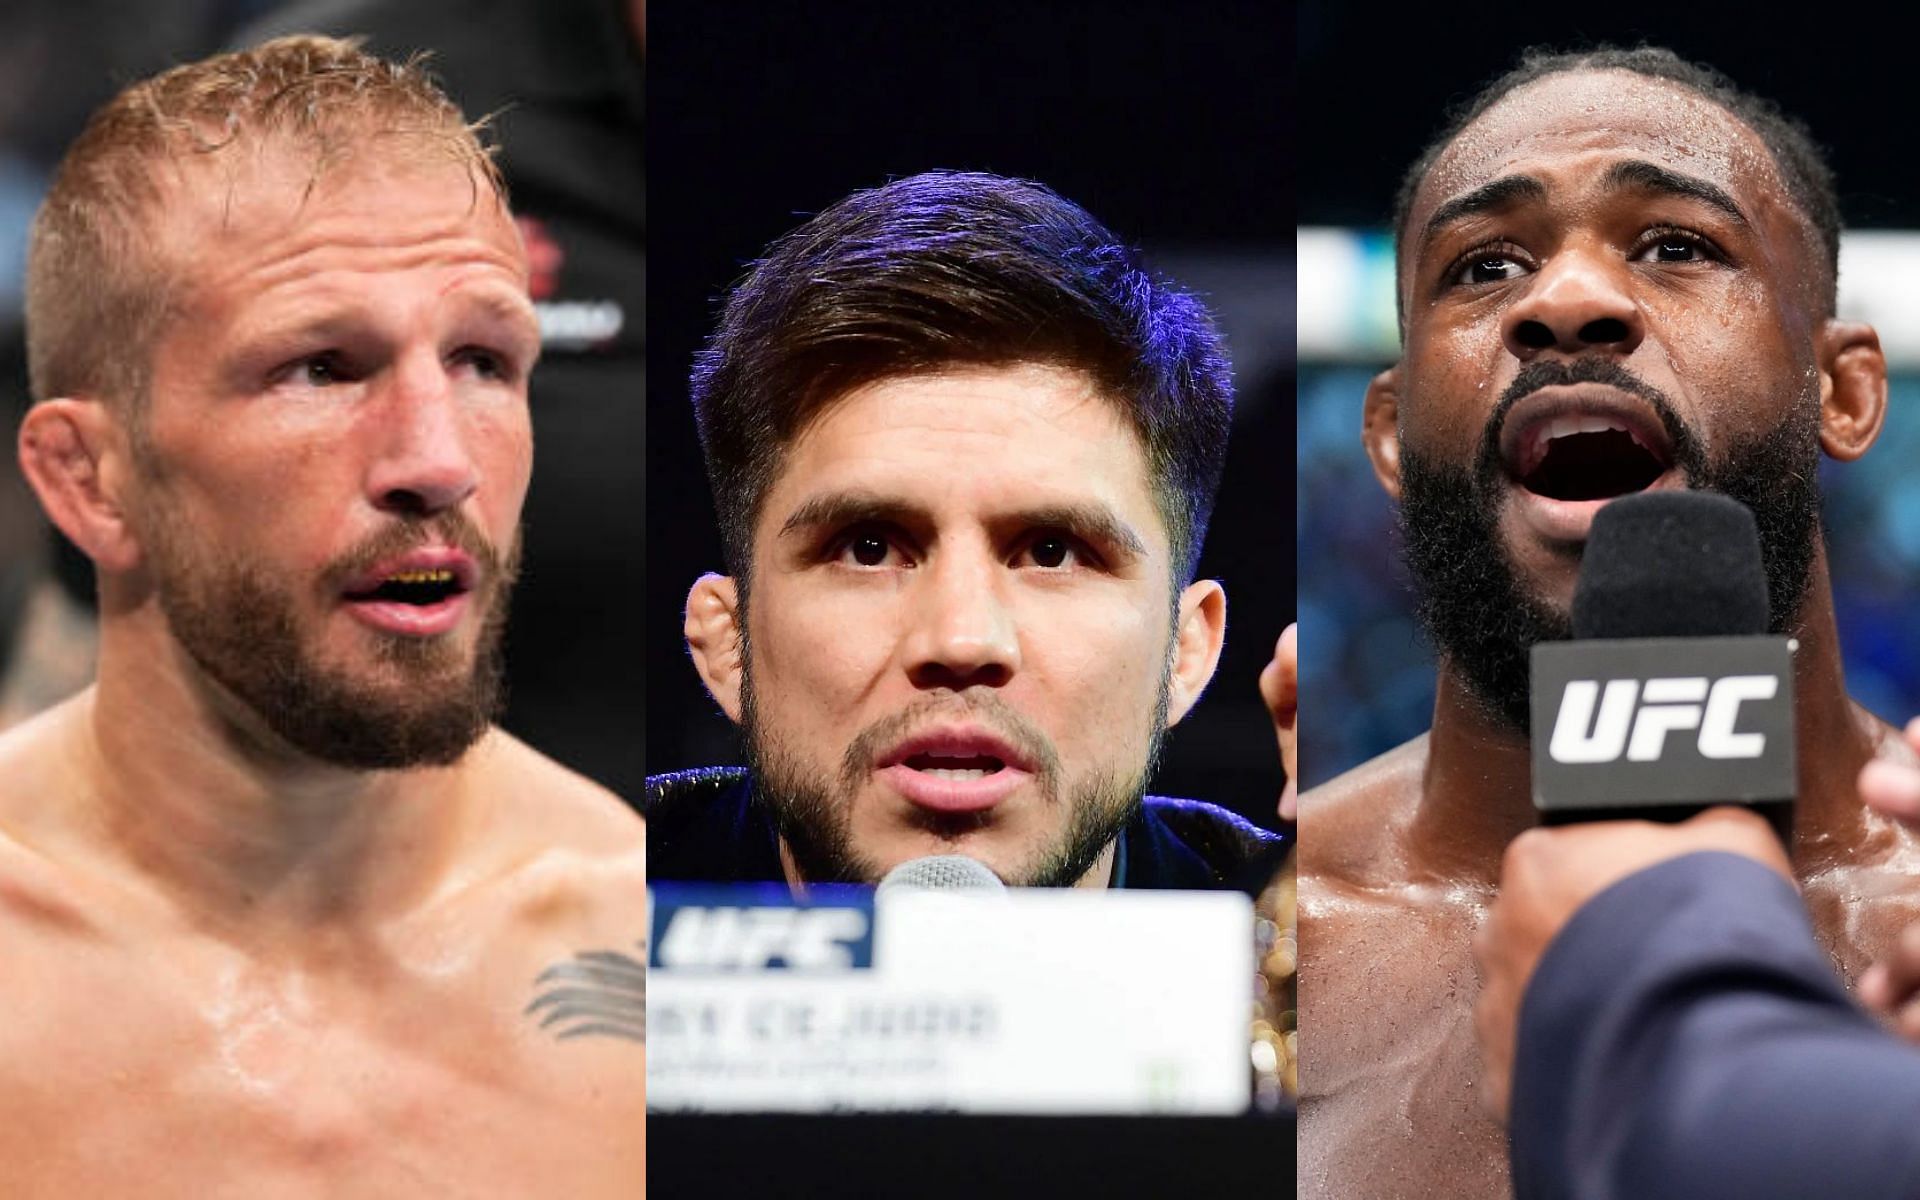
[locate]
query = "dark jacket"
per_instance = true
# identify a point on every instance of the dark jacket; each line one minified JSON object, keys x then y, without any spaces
{"x":1685,"y":1036}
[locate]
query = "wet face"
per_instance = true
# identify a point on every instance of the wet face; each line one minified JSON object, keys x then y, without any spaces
{"x":959,"y":635}
{"x":1608,"y":289}
{"x":332,"y":458}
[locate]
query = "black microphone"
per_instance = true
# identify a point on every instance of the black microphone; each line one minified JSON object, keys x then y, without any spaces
{"x":1671,"y":698}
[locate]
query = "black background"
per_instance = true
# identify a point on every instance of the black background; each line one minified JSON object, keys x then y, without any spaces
{"x":1170,"y":125}
{"x":1373,"y":86}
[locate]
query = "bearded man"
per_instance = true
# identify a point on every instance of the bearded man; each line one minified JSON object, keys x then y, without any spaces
{"x":288,"y":913}
{"x":1616,"y":273}
{"x":964,"y":450}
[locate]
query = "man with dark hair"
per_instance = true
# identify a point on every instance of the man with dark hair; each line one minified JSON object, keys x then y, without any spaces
{"x":1616,"y":273}
{"x":288,"y":914}
{"x":963,"y":450}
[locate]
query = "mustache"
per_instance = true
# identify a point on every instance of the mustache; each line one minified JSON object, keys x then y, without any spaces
{"x":1688,"y":452}
{"x":984,"y":707}
{"x":449,"y":528}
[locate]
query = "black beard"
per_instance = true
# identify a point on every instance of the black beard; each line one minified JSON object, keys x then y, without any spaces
{"x":812,"y":813}
{"x":1485,"y":620}
{"x":241,"y":631}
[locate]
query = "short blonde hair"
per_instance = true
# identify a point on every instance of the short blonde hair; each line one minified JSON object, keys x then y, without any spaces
{"x":98,"y":289}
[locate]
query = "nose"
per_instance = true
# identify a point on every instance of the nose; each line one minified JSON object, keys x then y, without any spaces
{"x":1581,"y":300}
{"x":963,"y":633}
{"x":424,"y":464}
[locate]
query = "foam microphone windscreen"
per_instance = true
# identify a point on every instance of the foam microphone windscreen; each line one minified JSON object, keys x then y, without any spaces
{"x":943,"y":872}
{"x":1671,"y":564}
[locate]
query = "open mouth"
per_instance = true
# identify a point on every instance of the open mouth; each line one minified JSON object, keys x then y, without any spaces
{"x":1584,"y":444}
{"x":954,"y":769}
{"x":1588,"y":458}
{"x":418,"y":589}
{"x":954,"y":766}
{"x":420,"y":595}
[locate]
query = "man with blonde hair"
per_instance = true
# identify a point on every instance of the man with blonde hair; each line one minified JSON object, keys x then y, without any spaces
{"x":287,"y":912}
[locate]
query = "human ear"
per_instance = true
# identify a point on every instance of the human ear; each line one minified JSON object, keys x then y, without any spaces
{"x":713,"y":639}
{"x":1380,"y":429}
{"x":1199,"y":632}
{"x":74,"y":455}
{"x":1853,"y":388}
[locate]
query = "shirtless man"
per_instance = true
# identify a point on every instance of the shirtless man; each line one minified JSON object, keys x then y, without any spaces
{"x":286,"y":915}
{"x":1620,"y":236}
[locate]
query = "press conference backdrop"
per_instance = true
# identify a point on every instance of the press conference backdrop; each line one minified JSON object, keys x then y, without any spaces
{"x":1364,"y":660}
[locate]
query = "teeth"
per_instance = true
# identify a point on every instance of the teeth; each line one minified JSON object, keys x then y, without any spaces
{"x":437,"y":575}
{"x":1561,"y":427}
{"x":955,"y":772}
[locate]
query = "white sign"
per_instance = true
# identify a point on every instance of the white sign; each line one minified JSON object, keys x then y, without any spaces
{"x":1025,"y":1002}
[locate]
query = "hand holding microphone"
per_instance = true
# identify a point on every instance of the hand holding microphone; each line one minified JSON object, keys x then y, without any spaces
{"x":1547,"y":875}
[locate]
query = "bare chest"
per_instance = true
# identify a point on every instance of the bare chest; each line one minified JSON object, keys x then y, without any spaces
{"x":123,"y":1073}
{"x":1389,"y":1066}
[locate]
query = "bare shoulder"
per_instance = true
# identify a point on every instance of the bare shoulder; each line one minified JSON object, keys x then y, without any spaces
{"x":38,"y":779}
{"x":553,"y":806}
{"x":1348,"y":824}
{"x":565,"y":858}
{"x":40,"y":771}
{"x":31,"y":758}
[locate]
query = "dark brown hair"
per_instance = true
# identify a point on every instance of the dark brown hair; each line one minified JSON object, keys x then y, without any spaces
{"x":952,"y":268}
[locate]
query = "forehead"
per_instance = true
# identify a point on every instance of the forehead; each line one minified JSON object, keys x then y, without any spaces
{"x":1583,"y":111}
{"x":1554,"y":126}
{"x":226,"y":219}
{"x":976,"y":436}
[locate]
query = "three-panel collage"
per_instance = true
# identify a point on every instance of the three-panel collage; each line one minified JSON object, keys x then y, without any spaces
{"x":1102,"y":598}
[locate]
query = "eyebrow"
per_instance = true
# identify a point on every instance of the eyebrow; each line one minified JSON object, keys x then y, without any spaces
{"x":1091,"y":522}
{"x":1650,"y":177}
{"x":1635,"y":174}
{"x":1499,"y":193}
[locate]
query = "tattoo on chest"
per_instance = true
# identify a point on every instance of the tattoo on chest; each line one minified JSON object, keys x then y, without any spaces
{"x":596,"y":993}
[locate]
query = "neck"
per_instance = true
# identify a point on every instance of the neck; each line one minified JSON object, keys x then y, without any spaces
{"x":1476,"y":794}
{"x":244,"y":834}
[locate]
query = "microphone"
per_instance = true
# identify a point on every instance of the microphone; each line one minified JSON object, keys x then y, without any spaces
{"x":942,"y":872}
{"x":1671,"y":698}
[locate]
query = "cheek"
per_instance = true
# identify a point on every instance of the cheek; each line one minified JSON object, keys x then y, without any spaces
{"x":1091,"y":671}
{"x":502,"y":446}
{"x":1449,"y":388}
{"x":1742,"y":368}
{"x":816,"y":652}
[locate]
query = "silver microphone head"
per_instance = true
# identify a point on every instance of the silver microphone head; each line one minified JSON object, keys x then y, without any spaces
{"x":943,"y":872}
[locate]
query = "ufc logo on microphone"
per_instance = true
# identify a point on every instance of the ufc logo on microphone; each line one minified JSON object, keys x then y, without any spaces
{"x":1637,"y":719}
